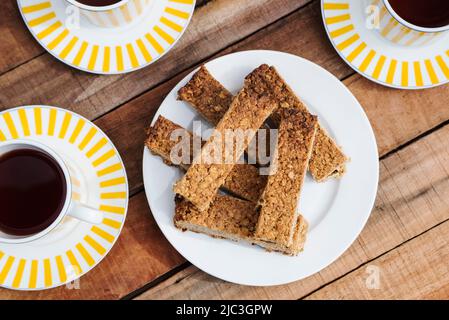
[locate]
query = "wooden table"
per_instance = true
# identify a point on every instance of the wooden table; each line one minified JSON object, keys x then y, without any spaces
{"x":407,"y":236}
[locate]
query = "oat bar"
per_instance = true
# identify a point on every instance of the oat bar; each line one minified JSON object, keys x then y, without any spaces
{"x":244,"y":180}
{"x":207,"y":96}
{"x":278,"y":203}
{"x":233,"y":219}
{"x":248,"y":111}
{"x":212,"y":100}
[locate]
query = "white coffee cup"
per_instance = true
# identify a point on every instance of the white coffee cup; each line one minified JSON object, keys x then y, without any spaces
{"x":397,"y":30}
{"x":118,"y":14}
{"x":71,"y":207}
{"x":413,"y":26}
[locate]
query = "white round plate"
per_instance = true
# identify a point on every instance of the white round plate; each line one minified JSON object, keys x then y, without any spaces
{"x":74,"y":247}
{"x":336,"y":210}
{"x":404,"y":62}
{"x":107,"y":50}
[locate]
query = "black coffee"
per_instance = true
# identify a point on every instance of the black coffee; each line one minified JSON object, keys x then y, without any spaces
{"x":98,"y":3}
{"x":423,"y":13}
{"x":32,"y":191}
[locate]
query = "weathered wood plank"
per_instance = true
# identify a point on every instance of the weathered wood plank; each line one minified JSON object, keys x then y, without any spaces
{"x":412,"y":198}
{"x":418,"y":269}
{"x":397,"y":116}
{"x":140,"y":254}
{"x":214,"y":26}
{"x":17,"y":45}
{"x":301,"y":33}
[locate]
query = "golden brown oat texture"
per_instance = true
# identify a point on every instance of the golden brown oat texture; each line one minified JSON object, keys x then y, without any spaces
{"x":244,"y":180}
{"x":228,"y":217}
{"x":234,"y":219}
{"x":211,"y":100}
{"x":248,"y":111}
{"x":278,"y":204}
{"x":207,"y":95}
{"x":160,"y":141}
{"x":299,"y":239}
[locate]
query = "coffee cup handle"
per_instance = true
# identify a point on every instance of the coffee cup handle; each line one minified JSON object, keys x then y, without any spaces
{"x":85,"y":213}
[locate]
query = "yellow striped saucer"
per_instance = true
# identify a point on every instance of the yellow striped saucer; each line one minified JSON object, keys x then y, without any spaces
{"x":72,"y":38}
{"x":381,"y":50}
{"x":74,"y":247}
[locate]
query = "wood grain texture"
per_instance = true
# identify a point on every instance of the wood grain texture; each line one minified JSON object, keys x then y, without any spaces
{"x":17,"y":45}
{"x":397,"y":116}
{"x":418,"y":269}
{"x":214,"y":26}
{"x":412,"y":198}
{"x":300,"y":33}
{"x":140,"y":254}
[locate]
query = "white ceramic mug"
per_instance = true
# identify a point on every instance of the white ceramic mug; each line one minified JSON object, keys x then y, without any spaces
{"x":399,"y":31}
{"x":119,"y":14}
{"x":71,"y":206}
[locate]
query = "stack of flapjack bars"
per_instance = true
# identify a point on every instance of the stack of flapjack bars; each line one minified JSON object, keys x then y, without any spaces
{"x":233,"y":200}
